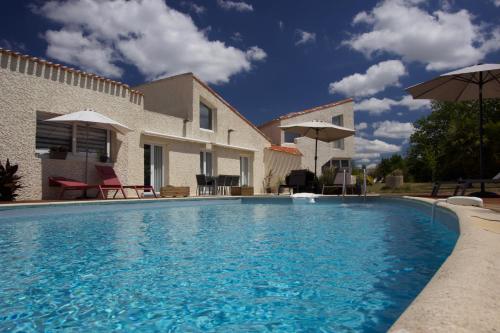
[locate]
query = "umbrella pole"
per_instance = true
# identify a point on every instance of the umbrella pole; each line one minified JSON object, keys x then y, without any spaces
{"x":481,"y":166}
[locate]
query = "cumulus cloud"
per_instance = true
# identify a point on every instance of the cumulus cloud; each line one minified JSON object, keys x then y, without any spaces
{"x":237,"y":37}
{"x":393,"y":129}
{"x":159,"y":41}
{"x":361,"y":126}
{"x":239,"y":6}
{"x":198,"y":9}
{"x":12,"y":45}
{"x":305,"y":37}
{"x":441,"y":39}
{"x":496,"y":3}
{"x":371,"y":151}
{"x":378,"y":106}
{"x":376,"y":79}
{"x":256,"y":53}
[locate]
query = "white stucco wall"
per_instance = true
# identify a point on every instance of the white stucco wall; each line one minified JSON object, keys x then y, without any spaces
{"x":280,"y":164}
{"x":183,"y":153}
{"x":326,"y":151}
{"x":27,"y":87}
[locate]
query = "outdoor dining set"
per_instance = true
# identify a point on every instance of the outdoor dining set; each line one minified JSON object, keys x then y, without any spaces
{"x":216,"y":185}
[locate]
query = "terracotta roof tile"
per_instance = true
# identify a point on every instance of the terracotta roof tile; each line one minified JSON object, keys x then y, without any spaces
{"x":288,"y":150}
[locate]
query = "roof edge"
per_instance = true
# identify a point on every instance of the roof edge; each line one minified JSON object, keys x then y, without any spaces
{"x":69,"y":69}
{"x":306,"y":111}
{"x":232,"y":108}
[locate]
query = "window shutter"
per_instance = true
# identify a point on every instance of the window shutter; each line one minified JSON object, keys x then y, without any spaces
{"x":52,"y":134}
{"x":96,"y":139}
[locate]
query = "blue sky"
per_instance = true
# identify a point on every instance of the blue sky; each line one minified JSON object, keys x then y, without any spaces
{"x":268,"y":58}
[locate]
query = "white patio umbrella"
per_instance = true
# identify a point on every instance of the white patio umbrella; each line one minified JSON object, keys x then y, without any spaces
{"x":319,"y":130}
{"x":87,"y":118}
{"x":470,"y":83}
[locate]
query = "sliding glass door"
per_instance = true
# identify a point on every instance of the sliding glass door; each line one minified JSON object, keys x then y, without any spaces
{"x":244,"y":171}
{"x":153,"y":166}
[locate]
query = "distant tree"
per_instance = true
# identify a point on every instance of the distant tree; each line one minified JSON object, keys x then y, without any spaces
{"x":445,"y":144}
{"x":388,"y":165}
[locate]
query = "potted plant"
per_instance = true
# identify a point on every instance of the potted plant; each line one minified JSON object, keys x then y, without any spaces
{"x":9,"y":181}
{"x":58,"y":152}
{"x":394,"y":179}
{"x":267,"y":181}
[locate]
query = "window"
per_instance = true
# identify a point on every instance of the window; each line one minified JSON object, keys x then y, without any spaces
{"x":339,"y":121}
{"x":206,"y":117}
{"x":206,"y":163}
{"x":97,"y":139}
{"x":52,"y":134}
{"x":290,"y":137}
{"x":244,"y":171}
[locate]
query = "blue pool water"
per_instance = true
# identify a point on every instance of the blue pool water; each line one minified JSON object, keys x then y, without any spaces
{"x":217,"y":266}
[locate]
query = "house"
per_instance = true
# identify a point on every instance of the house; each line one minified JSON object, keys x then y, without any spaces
{"x":180,"y":127}
{"x":337,"y":154}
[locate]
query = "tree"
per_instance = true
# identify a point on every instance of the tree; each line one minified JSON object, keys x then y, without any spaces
{"x":445,"y":144}
{"x":388,"y":165}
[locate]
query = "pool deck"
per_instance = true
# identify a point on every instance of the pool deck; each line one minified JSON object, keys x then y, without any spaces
{"x":464,"y":295}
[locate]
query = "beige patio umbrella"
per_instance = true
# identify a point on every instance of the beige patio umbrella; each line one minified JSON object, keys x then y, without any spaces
{"x":470,"y":83}
{"x":87,"y":118}
{"x":319,"y":130}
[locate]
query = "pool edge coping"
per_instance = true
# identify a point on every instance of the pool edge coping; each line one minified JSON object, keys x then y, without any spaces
{"x":463,"y":295}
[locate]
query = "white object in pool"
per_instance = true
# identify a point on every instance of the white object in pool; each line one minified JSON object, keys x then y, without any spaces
{"x":309,"y":197}
{"x":465,"y":201}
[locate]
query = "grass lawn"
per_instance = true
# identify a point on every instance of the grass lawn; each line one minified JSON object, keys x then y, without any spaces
{"x":424,"y":189}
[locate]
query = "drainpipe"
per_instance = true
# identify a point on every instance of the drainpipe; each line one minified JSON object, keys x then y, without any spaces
{"x":229,"y":131}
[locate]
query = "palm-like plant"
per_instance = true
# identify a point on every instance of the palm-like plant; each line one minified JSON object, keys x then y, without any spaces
{"x":9,"y":181}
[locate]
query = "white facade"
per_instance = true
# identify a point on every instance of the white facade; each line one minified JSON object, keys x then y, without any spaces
{"x":338,"y":154}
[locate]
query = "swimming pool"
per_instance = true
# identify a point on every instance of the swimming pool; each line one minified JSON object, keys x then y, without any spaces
{"x":218,"y":265}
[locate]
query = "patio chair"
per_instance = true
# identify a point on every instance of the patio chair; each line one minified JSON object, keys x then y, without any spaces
{"x":111,"y":182}
{"x":204,"y":185}
{"x":298,"y":180}
{"x":67,"y":184}
{"x":220,"y":183}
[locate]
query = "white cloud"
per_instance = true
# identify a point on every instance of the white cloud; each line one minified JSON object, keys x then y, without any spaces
{"x":305,"y":37}
{"x":256,"y":53}
{"x":496,"y":3}
{"x":237,"y":37}
{"x":12,"y":45}
{"x":239,"y":6}
{"x":198,"y":9}
{"x":281,"y":25}
{"x":370,"y":151}
{"x":361,"y":126}
{"x":376,"y":79}
{"x":378,"y":106}
{"x":393,"y":129}
{"x":441,"y":39}
{"x":99,"y":36}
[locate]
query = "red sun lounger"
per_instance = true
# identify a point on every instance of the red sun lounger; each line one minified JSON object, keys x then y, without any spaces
{"x":67,"y":184}
{"x":110,"y":181}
